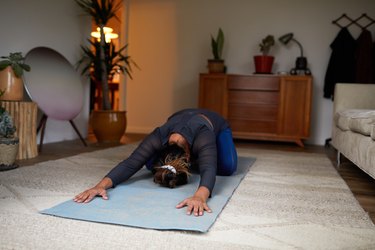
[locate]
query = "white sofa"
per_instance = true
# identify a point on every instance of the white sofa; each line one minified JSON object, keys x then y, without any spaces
{"x":353,"y":129}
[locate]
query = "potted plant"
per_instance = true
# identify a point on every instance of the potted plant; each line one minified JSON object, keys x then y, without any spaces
{"x":8,"y":141}
{"x":264,"y":62}
{"x":115,"y":62}
{"x":216,"y":65}
{"x":103,"y":62}
{"x":11,"y":70}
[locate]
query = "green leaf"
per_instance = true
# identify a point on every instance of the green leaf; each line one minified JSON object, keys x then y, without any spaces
{"x":25,"y":67}
{"x":101,"y":11}
{"x":17,"y":70}
{"x":220,"y":42}
{"x":214,"y":48}
{"x":16,"y":61}
{"x":4,"y":64}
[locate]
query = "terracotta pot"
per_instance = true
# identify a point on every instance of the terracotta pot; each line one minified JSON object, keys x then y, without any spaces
{"x":108,"y":125}
{"x":12,"y":85}
{"x":263,"y":64}
{"x":8,"y":153}
{"x":216,"y":66}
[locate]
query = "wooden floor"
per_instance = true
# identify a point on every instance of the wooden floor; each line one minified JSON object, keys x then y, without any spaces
{"x":362,"y":186}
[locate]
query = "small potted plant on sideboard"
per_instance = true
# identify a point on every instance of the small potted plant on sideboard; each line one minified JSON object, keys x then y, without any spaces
{"x":216,"y":65}
{"x":264,"y":62}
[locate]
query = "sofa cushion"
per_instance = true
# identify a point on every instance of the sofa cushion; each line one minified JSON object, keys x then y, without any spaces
{"x":363,"y":123}
{"x":357,"y":120}
{"x":341,"y":119}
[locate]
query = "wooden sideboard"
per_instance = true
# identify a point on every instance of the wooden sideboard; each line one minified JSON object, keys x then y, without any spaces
{"x":260,"y":107}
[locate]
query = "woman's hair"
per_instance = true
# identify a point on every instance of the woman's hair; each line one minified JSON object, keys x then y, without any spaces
{"x":171,"y":168}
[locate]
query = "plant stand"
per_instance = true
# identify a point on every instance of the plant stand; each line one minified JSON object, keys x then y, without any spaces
{"x":24,"y":116}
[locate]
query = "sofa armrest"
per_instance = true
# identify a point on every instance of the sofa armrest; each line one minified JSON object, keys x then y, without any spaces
{"x":353,"y":96}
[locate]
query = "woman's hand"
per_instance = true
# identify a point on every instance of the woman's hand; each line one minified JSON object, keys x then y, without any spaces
{"x":90,"y":194}
{"x":197,"y":203}
{"x":98,"y":190}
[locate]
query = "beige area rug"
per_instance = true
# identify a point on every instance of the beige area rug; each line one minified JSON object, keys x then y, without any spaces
{"x":288,"y":200}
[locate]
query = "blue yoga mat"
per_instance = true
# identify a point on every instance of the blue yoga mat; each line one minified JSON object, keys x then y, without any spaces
{"x":140,"y":202}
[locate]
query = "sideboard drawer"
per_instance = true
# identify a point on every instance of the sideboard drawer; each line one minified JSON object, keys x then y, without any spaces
{"x":258,"y":118}
{"x":253,"y":97}
{"x":269,"y":83}
{"x":253,"y":127}
{"x":253,"y":112}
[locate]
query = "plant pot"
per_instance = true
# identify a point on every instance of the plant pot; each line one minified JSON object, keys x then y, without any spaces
{"x":12,"y":85}
{"x":8,"y":153}
{"x":215,"y":66}
{"x":108,"y":125}
{"x":263,"y":64}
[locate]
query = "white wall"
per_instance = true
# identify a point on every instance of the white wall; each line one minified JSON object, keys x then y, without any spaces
{"x":26,"y":24}
{"x":170,"y":40}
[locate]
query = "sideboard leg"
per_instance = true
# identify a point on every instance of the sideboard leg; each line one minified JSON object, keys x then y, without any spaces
{"x":300,"y":143}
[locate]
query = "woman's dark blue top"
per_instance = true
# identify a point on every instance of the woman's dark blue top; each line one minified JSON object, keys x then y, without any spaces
{"x":200,"y":135}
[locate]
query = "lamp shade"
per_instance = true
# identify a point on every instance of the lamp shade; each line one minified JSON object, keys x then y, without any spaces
{"x":108,"y":33}
{"x":285,"y":39}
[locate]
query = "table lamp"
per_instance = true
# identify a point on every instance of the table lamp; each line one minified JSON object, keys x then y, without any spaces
{"x":301,"y":62}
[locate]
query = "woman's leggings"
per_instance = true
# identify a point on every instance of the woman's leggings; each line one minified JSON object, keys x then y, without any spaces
{"x":226,"y":153}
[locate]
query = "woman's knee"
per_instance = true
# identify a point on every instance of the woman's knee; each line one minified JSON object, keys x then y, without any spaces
{"x":227,"y":153}
{"x":227,"y":165}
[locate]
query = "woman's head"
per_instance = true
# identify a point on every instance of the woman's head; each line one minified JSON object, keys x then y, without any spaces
{"x":179,"y":140}
{"x":172,"y":167}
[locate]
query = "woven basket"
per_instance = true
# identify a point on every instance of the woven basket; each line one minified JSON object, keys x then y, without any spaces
{"x":8,"y":153}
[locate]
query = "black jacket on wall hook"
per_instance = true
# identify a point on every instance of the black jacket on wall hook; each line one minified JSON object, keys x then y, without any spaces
{"x":352,"y":59}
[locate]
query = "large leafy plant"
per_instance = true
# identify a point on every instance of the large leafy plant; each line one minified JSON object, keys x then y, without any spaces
{"x":101,"y":12}
{"x":16,"y":61}
{"x":7,"y":128}
{"x":115,"y":60}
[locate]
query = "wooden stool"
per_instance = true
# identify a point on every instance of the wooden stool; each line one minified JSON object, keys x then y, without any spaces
{"x":24,"y":116}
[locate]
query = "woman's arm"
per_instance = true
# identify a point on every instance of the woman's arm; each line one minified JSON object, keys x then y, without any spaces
{"x":204,"y":149}
{"x":205,"y":152}
{"x":128,"y":167}
{"x":125,"y":169}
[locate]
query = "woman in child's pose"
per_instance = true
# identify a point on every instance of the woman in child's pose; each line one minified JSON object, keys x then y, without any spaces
{"x":190,"y":138}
